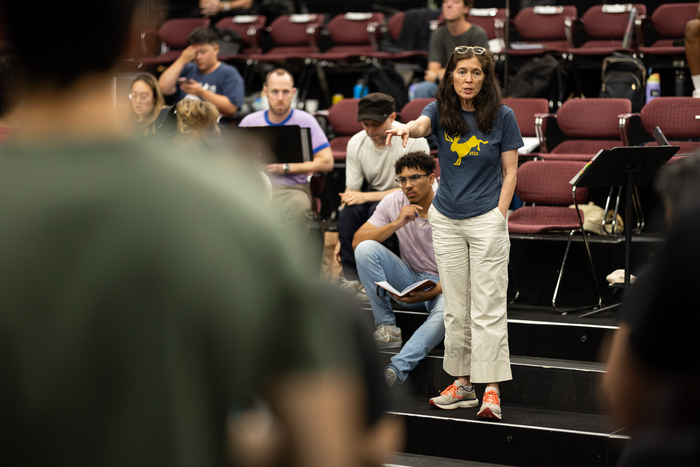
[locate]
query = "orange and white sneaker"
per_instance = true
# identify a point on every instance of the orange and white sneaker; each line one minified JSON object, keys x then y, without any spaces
{"x":491,"y":405}
{"x":454,"y":397}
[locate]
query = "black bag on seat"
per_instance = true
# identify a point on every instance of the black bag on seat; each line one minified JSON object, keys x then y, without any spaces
{"x":388,"y":81}
{"x":539,"y":77}
{"x":624,"y":76}
{"x":230,"y":42}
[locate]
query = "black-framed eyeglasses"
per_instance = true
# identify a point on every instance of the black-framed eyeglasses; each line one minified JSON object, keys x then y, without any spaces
{"x":401,"y":181}
{"x":477,"y":50}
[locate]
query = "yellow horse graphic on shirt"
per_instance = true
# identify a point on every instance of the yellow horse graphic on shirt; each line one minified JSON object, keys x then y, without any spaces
{"x":462,"y":149}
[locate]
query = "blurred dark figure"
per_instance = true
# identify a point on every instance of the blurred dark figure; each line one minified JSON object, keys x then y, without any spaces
{"x":531,"y":3}
{"x":653,"y":375}
{"x":9,"y":90}
{"x":142,"y":293}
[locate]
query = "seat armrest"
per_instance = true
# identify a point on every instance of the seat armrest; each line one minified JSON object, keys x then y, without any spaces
{"x":372,"y":29}
{"x":311,"y":35}
{"x":632,"y":131}
{"x":569,"y":24}
{"x":547,"y":131}
{"x":252,"y":32}
{"x":638,"y":23}
{"x":145,"y":34}
{"x":498,"y":29}
{"x":321,"y":117}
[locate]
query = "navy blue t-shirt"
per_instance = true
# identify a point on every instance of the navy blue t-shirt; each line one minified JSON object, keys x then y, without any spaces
{"x":470,"y":167}
{"x":225,"y":80}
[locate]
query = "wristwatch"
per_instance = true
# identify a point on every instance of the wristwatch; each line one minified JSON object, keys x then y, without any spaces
{"x":226,"y":6}
{"x":285,"y":167}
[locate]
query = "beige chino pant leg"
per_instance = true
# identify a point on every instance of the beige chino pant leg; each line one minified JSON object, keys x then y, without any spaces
{"x":472,"y":258}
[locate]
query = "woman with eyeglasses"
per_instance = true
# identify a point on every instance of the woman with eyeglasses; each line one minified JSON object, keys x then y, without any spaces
{"x":146,"y":103}
{"x":478,"y":141}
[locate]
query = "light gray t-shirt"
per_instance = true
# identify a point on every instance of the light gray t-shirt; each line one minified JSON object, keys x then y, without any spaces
{"x":415,"y":238}
{"x":442,"y":43}
{"x":365,"y":161}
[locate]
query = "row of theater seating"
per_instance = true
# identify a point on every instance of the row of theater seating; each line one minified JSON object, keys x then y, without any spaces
{"x":579,"y":129}
{"x":552,"y":29}
{"x":355,"y":36}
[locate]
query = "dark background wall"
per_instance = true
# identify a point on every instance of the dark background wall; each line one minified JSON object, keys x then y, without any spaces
{"x":342,"y":6}
{"x":338,"y":6}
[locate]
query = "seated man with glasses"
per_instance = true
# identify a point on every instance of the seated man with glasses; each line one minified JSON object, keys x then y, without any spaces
{"x":369,"y":174}
{"x":404,"y":212}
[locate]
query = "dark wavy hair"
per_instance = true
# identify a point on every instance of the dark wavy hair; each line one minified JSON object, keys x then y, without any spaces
{"x":486,"y":103}
{"x":416,"y":160}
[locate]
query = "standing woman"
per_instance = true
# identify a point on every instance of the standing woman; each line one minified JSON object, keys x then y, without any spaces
{"x":478,"y":141}
{"x":146,"y":104}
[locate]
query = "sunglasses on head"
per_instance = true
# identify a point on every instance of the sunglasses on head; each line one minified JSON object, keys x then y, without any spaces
{"x":462,"y":49}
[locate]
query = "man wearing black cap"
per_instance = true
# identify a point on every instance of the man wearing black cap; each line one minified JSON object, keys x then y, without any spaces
{"x":369,"y":173}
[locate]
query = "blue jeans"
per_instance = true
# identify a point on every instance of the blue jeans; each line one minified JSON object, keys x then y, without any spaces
{"x":425,"y":89}
{"x":375,"y":263}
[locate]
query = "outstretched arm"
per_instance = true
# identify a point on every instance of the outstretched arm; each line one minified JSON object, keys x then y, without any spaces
{"x":418,"y":128}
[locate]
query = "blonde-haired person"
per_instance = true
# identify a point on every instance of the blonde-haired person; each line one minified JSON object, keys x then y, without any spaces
{"x":146,"y":103}
{"x":196,"y":118}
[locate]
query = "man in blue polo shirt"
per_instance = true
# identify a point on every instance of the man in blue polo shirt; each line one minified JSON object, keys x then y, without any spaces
{"x":198,"y":74}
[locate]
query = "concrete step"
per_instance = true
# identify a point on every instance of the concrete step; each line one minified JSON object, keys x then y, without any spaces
{"x":553,"y":383}
{"x":538,"y":332}
{"x":527,"y":436}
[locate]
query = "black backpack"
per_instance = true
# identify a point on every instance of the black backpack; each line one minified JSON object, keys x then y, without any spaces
{"x":230,"y":42}
{"x":624,"y":76}
{"x":386,"y":80}
{"x":539,"y":77}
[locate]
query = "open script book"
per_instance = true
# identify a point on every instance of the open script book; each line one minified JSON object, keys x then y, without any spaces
{"x":422,"y":285}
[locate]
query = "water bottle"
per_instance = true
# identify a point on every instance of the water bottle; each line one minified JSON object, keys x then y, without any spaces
{"x":357,"y":90}
{"x":653,"y":87}
{"x":360,"y":90}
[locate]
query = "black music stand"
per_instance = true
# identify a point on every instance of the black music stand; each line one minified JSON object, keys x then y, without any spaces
{"x":623,"y":166}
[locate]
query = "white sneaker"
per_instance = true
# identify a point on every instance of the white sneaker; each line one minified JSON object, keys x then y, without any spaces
{"x":696,"y":92}
{"x":456,"y":396}
{"x":491,"y":405}
{"x":352,"y":286}
{"x":390,"y":376}
{"x":387,"y":336}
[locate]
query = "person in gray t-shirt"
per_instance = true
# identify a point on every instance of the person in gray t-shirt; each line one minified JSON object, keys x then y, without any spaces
{"x":456,"y":31}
